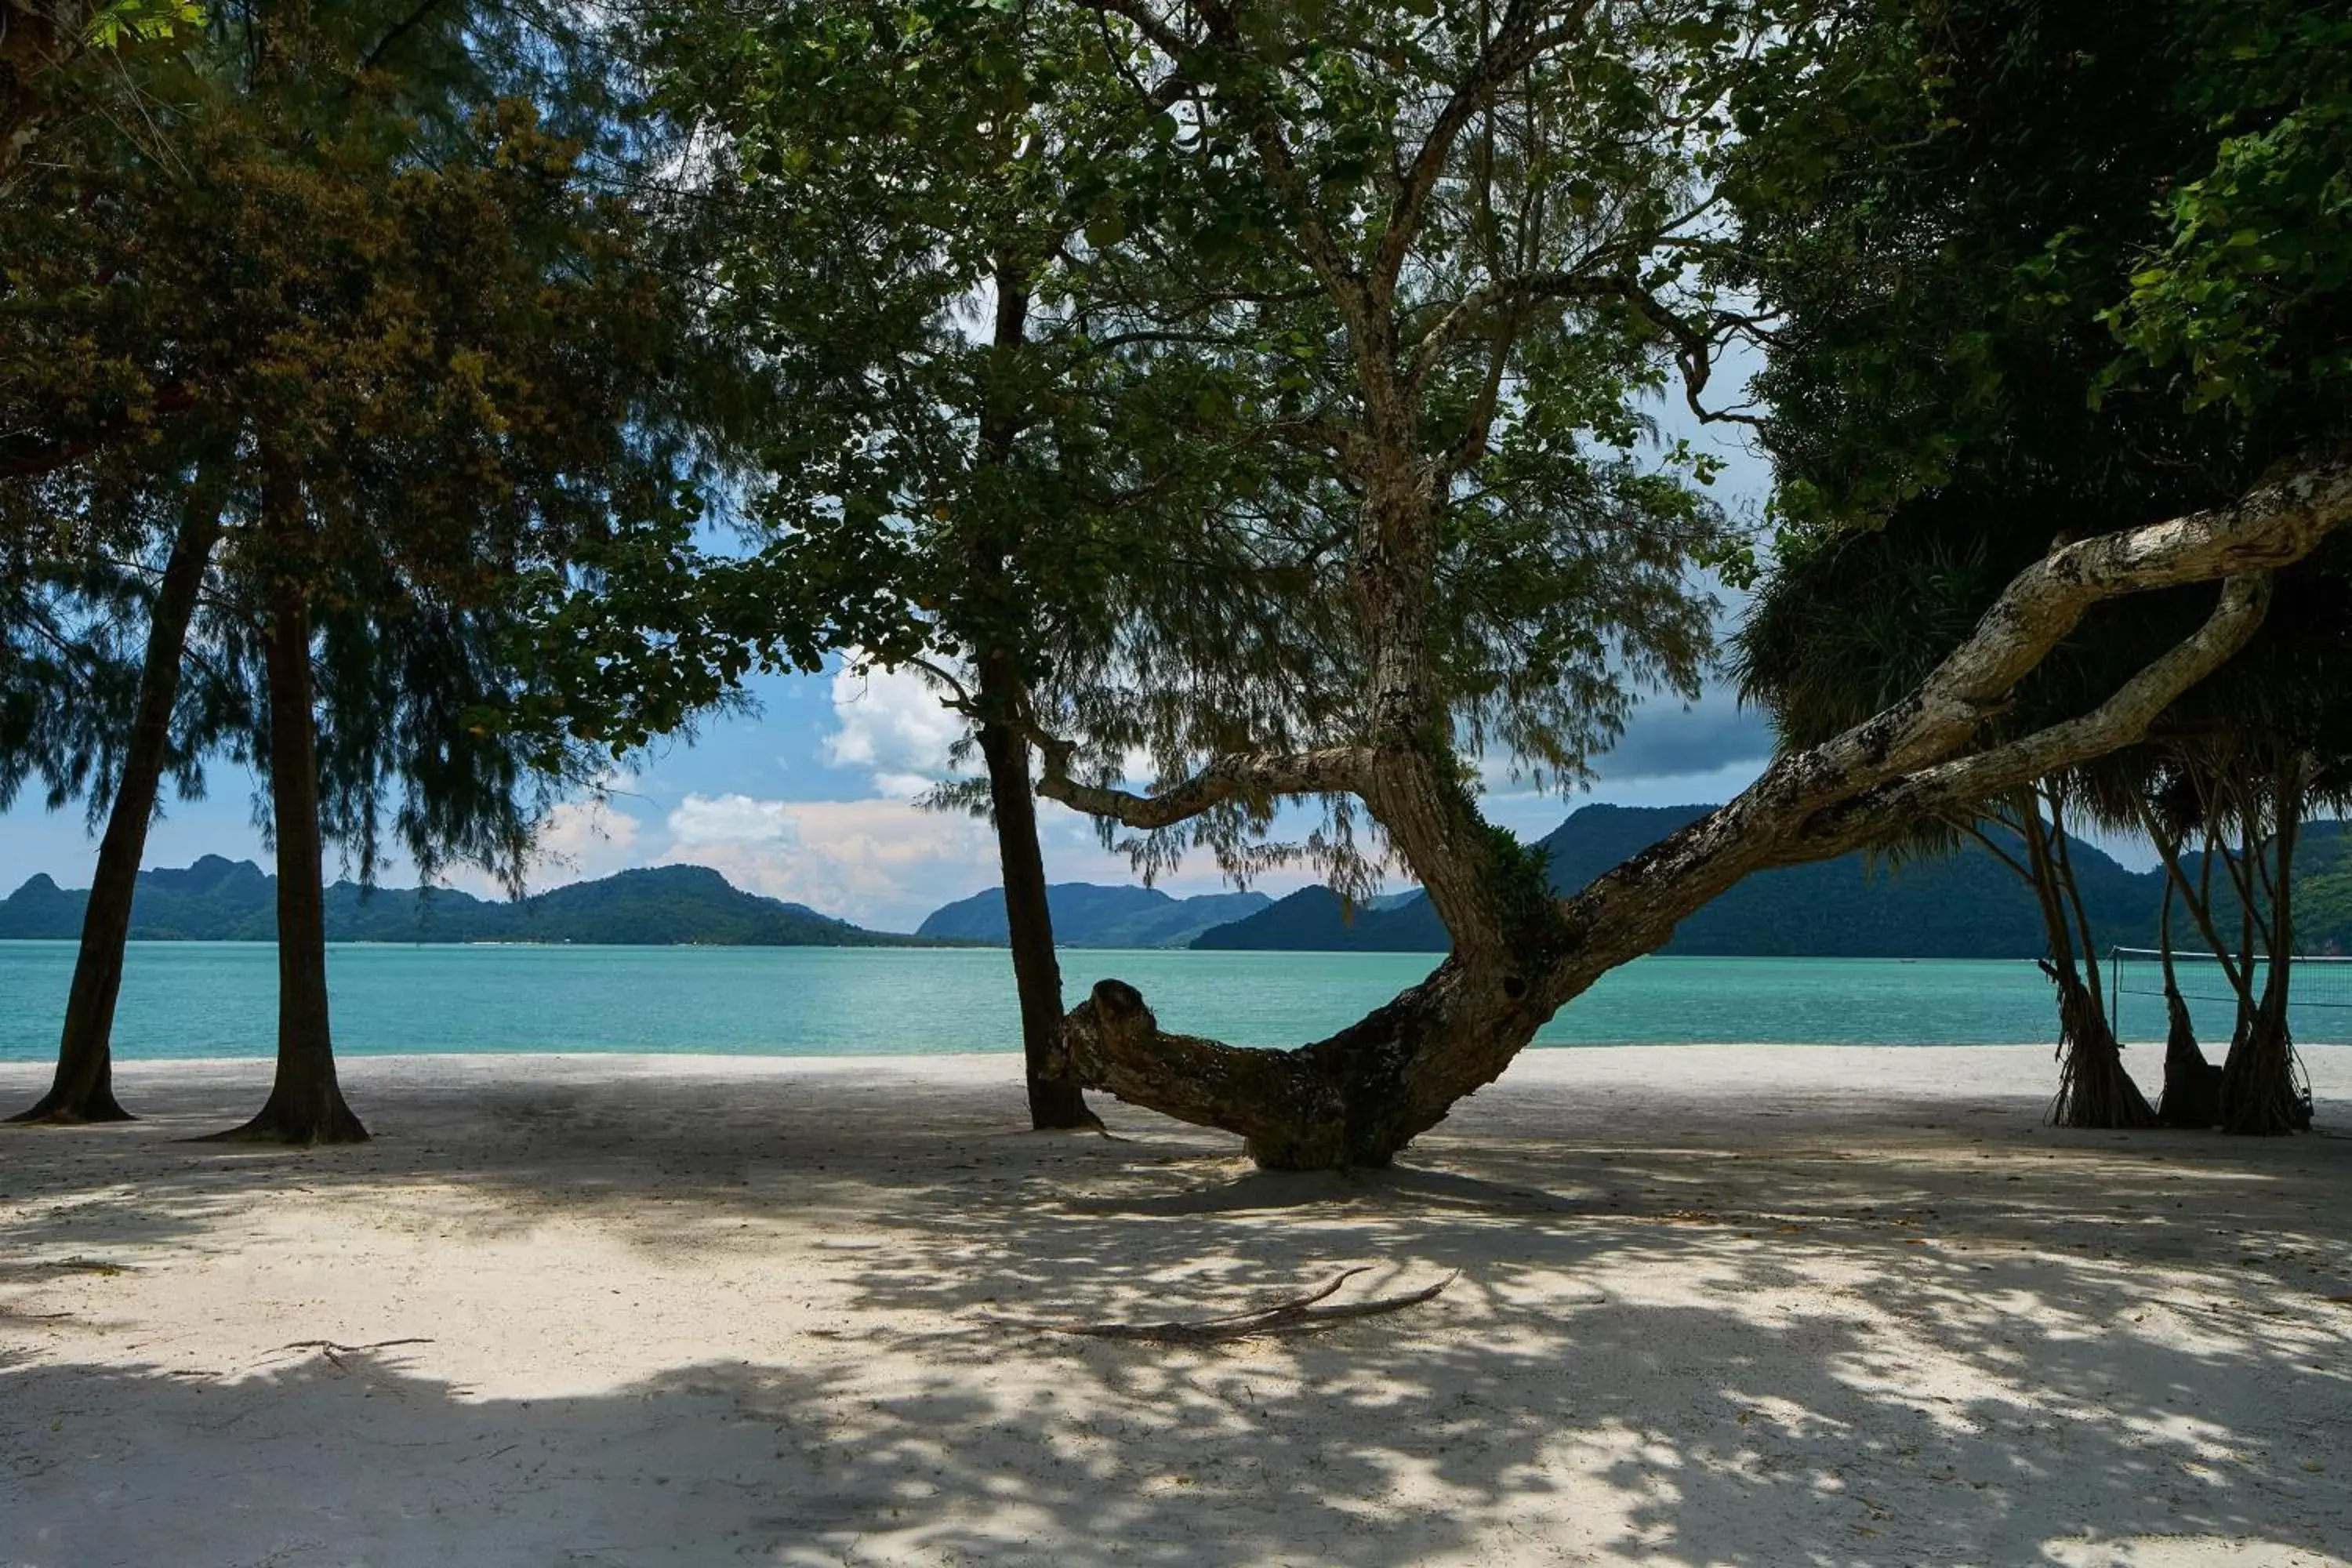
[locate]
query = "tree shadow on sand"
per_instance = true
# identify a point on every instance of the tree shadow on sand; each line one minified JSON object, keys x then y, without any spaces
{"x":1940,"y":1337}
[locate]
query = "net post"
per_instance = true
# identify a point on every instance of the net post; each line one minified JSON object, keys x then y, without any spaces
{"x":2116,"y":991}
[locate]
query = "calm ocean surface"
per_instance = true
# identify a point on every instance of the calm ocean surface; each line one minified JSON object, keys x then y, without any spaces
{"x":199,"y":999}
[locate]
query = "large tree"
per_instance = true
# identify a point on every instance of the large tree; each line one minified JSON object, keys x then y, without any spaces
{"x":1383,"y":205}
{"x":965,"y":474}
{"x":1454,"y":249}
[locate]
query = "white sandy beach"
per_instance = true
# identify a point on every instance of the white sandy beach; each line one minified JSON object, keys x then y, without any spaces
{"x":1758,"y":1305}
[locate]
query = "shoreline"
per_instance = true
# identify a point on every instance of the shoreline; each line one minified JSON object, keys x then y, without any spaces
{"x":1779,"y":1061}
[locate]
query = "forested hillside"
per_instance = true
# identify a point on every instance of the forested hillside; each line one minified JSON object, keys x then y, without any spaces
{"x":225,"y":901}
{"x":1963,"y":905}
{"x":1087,"y":914}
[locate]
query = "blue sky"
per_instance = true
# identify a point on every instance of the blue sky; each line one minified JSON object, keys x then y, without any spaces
{"x":808,"y":799}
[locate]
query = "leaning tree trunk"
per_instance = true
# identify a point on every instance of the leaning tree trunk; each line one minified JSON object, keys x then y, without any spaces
{"x":1056,"y":1098}
{"x":306,"y":1104}
{"x":1355,"y":1099}
{"x":83,"y":1088}
{"x":1519,"y":951}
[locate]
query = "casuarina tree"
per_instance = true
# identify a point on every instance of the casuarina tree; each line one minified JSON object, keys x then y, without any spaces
{"x":385,"y":444}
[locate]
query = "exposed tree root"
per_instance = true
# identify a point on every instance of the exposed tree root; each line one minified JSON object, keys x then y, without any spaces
{"x":1297,"y":1315}
{"x":54,"y":1111}
{"x":2260,"y":1094}
{"x":2094,"y":1088}
{"x":2192,"y":1086}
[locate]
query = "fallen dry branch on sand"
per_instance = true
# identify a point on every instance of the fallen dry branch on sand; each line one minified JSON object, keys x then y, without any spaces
{"x":1297,"y":1315}
{"x":335,"y":1352}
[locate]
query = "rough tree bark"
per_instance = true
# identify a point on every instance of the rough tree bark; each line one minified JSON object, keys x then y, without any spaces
{"x":2192,"y":1086}
{"x":1057,"y":1100}
{"x":83,"y":1088}
{"x":1357,"y":1098}
{"x":306,"y":1103}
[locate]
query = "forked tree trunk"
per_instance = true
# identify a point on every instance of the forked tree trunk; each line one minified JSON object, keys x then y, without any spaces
{"x":83,"y":1088}
{"x":306,"y":1103}
{"x":1056,"y":1098}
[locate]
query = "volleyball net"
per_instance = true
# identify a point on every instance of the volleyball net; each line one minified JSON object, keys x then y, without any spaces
{"x":2320,"y":995}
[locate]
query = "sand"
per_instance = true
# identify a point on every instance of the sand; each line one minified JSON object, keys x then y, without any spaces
{"x":1711,"y":1305}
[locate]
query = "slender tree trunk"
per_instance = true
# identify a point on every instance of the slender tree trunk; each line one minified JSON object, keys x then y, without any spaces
{"x":306,"y":1104}
{"x":83,"y":1088}
{"x":2258,"y":1091}
{"x":2094,"y":1090}
{"x":1056,"y":1098}
{"x":2192,"y":1086}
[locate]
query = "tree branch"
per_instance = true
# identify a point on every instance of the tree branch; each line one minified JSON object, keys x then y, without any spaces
{"x":2273,"y":525}
{"x":1899,"y":765}
{"x":2123,"y":718}
{"x":1259,"y":775}
{"x":1505,"y":293}
{"x":1516,"y":46}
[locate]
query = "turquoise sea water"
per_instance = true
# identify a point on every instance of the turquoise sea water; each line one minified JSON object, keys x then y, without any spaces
{"x":192,"y":999}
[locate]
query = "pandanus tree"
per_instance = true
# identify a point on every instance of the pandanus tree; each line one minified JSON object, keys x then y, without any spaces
{"x":422,"y":356}
{"x":2238,"y":770}
{"x":1458,"y":244}
{"x":1960,"y":227}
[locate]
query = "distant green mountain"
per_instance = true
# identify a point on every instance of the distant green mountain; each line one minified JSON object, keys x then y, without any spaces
{"x":1964,"y":905}
{"x":224,"y":900}
{"x":2323,"y":888}
{"x":1314,"y":920}
{"x":1087,"y":914}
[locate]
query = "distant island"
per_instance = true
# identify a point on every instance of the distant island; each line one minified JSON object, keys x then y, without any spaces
{"x":1089,"y":914}
{"x":218,"y":899}
{"x":1964,"y":905}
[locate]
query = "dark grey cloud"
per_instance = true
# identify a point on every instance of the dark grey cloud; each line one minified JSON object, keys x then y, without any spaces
{"x":1667,"y":739}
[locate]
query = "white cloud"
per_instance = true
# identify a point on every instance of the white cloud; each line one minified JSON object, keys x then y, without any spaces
{"x":880,"y":862}
{"x":883,"y":862}
{"x":731,"y":819}
{"x":891,"y":725}
{"x":588,"y":838}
